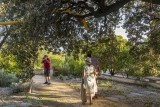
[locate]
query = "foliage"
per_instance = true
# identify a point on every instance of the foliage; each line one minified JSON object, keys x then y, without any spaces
{"x":65,"y":64}
{"x":106,"y":84}
{"x":145,"y":61}
{"x":54,"y":27}
{"x":8,"y":64}
{"x":61,"y":77}
{"x":117,"y":55}
{"x":71,"y":66}
{"x":143,"y":34}
{"x":112,"y":52}
{"x":20,"y":87}
{"x":75,"y":65}
{"x":24,"y":59}
{"x":7,"y":79}
{"x":56,"y":59}
{"x":50,"y":25}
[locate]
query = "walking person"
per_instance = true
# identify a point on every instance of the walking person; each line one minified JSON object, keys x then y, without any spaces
{"x":46,"y":63}
{"x":95,"y":63}
{"x":88,"y":76}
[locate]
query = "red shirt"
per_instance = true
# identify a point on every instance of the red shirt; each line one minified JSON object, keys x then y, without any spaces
{"x":46,"y":63}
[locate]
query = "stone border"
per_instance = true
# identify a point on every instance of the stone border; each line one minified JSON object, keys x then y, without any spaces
{"x":129,"y":81}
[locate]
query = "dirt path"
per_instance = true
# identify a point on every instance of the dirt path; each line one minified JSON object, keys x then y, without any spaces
{"x":58,"y":94}
{"x":66,"y":94}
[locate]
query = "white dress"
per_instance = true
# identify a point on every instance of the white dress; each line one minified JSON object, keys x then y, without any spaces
{"x":89,"y":80}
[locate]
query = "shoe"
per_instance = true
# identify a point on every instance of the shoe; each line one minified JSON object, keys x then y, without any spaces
{"x":91,"y":103}
{"x":83,"y":103}
{"x":45,"y":83}
{"x":96,"y":96}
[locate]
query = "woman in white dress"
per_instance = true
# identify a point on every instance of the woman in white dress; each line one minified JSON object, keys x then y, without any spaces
{"x":88,"y":76}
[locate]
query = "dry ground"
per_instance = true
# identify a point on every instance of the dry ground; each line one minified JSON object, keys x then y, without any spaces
{"x":58,"y":94}
{"x":66,"y":94}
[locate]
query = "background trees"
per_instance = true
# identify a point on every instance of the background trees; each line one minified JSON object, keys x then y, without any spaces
{"x":77,"y":25}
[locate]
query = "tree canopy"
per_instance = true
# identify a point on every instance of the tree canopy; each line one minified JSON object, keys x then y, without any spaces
{"x":63,"y":22}
{"x":75,"y":24}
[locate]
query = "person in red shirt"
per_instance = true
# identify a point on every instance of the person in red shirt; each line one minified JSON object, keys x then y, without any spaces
{"x":46,"y":63}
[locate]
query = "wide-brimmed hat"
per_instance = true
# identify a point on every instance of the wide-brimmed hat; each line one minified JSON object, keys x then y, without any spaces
{"x":88,"y":60}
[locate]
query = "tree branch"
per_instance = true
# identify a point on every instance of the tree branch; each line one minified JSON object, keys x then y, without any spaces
{"x":83,"y":4}
{"x":153,"y":1}
{"x":106,"y":9}
{"x":103,"y":9}
{"x":4,"y":39}
{"x":111,"y":8}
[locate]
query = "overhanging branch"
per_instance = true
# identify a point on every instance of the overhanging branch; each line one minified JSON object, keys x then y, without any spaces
{"x":4,"y":39}
{"x":153,"y":1}
{"x":111,"y":8}
{"x":106,"y":10}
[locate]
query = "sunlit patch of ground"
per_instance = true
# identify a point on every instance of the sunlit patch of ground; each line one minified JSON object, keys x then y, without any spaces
{"x":58,"y":94}
{"x":132,"y":95}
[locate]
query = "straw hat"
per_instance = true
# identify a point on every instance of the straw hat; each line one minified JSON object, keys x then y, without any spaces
{"x":88,"y":60}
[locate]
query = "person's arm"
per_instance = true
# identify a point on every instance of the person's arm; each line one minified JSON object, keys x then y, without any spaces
{"x":48,"y":60}
{"x":95,"y":72}
{"x":83,"y":73}
{"x":98,"y":67}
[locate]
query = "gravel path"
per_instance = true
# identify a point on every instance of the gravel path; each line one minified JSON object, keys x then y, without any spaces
{"x":58,"y":94}
{"x":67,"y":94}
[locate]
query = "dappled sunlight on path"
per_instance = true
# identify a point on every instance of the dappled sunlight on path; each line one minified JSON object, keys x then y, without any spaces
{"x":58,"y":94}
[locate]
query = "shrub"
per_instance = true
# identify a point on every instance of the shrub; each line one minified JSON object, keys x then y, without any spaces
{"x":69,"y":66}
{"x":75,"y":65}
{"x":64,"y":64}
{"x":61,"y":77}
{"x":106,"y":84}
{"x":65,"y":70}
{"x":20,"y":87}
{"x":9,"y":64}
{"x":7,"y":79}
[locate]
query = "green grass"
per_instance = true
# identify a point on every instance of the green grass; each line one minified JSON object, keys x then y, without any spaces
{"x":106,"y":84}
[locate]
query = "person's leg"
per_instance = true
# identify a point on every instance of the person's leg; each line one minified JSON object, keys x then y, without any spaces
{"x":90,"y":99}
{"x":96,"y":87}
{"x":48,"y":77}
{"x":45,"y":75}
{"x":46,"y":80}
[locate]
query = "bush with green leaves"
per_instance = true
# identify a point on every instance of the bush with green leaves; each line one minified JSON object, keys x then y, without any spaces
{"x":61,"y":77}
{"x":71,"y":66}
{"x":56,"y":60}
{"x":6,"y":79}
{"x":63,"y":63}
{"x":74,"y":66}
{"x":8,"y":63}
{"x":20,"y":87}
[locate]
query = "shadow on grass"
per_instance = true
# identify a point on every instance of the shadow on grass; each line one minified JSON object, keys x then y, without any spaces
{"x":48,"y":103}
